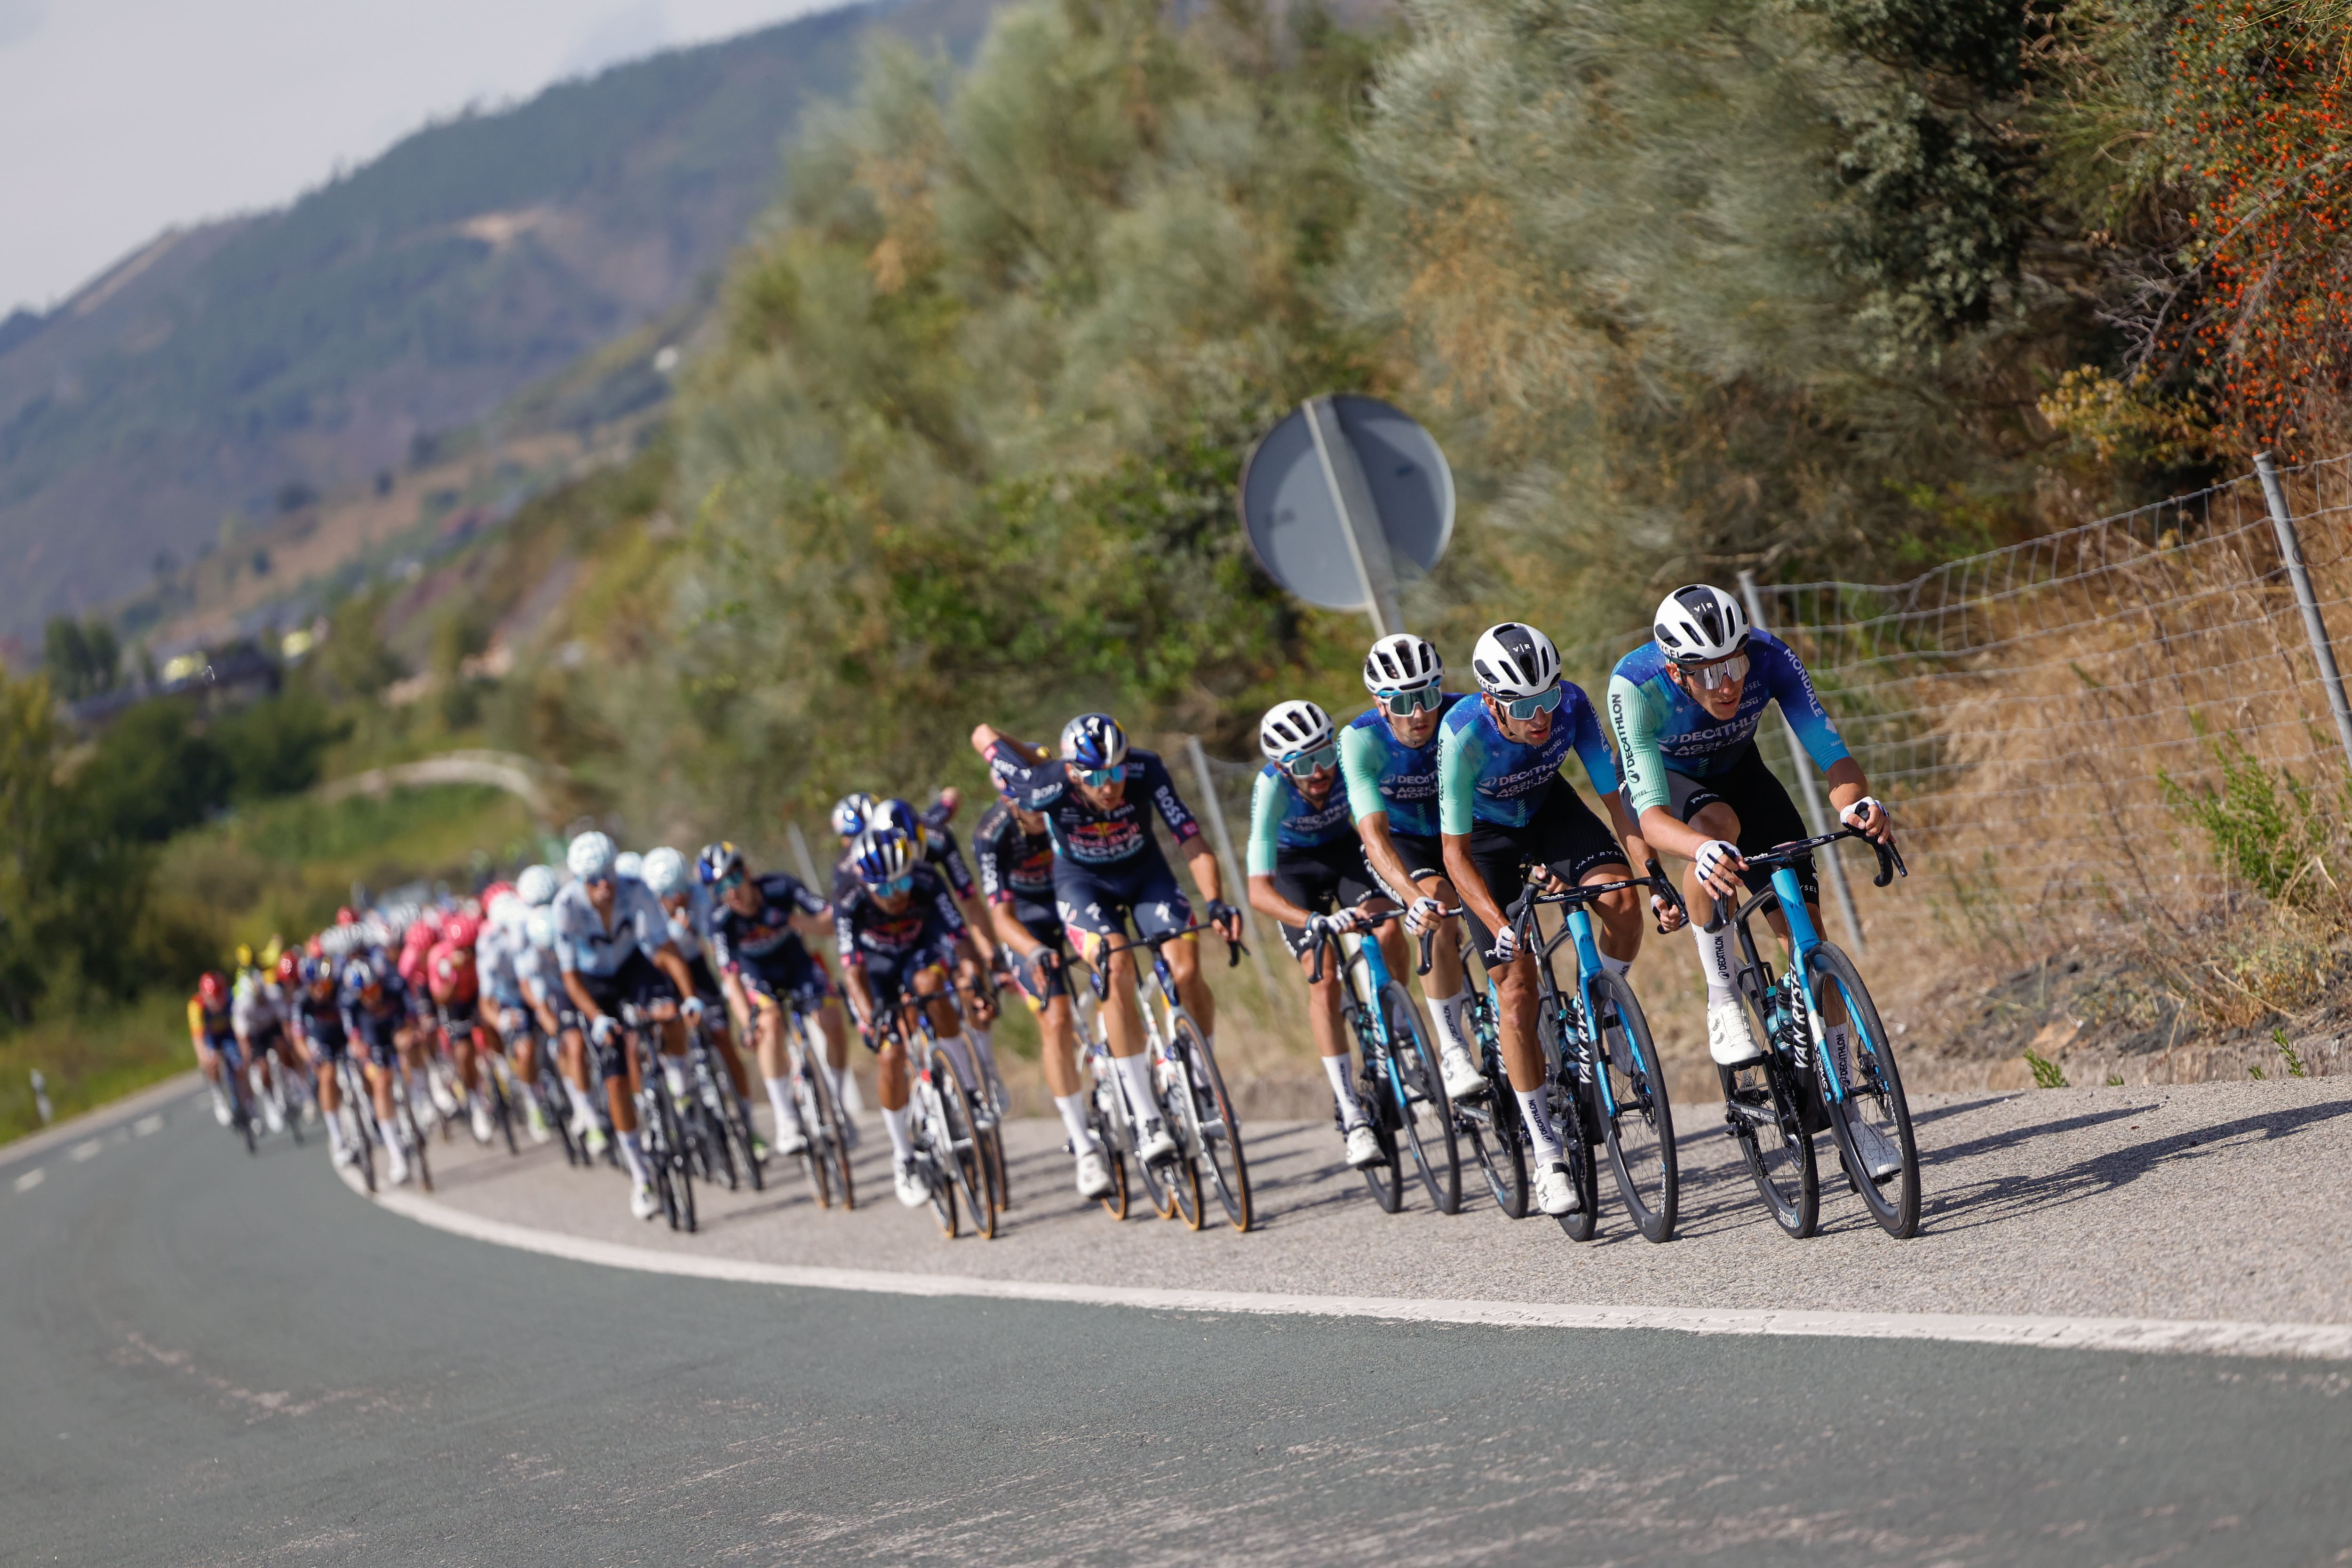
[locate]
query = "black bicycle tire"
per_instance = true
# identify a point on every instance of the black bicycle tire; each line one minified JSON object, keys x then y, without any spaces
{"x":816,"y":1160}
{"x":1384,"y":1178}
{"x":738,"y":1113}
{"x":1419,"y":1070}
{"x":1797,"y":1217}
{"x":1899,"y":1219}
{"x":1232,"y":1187}
{"x":1655,"y":1222}
{"x":1160,"y":1193}
{"x":963,"y":1156}
{"x":414,"y":1136}
{"x":681,"y":1166}
{"x":501,"y":1108}
{"x":361,"y":1133}
{"x":836,"y":1113}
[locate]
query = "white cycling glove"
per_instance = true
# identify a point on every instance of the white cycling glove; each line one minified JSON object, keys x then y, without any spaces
{"x":1854,"y":816}
{"x":1717,"y":855}
{"x":1506,"y":945}
{"x":1423,"y":915}
{"x":691,"y":1009}
{"x":603,"y":1030}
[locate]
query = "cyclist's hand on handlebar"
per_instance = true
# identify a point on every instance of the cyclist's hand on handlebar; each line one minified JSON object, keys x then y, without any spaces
{"x":1347,"y":920}
{"x":1425,"y":915}
{"x":1506,"y":945}
{"x":1226,"y":919}
{"x":691,"y":1010}
{"x":1719,"y":865}
{"x":1669,"y":914}
{"x":1870,"y":818}
{"x":603,"y":1029}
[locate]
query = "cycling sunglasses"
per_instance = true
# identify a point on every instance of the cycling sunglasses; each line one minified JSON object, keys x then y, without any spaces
{"x":1305,"y":765}
{"x":1097,"y":778}
{"x":895,"y":886}
{"x":1420,"y":699}
{"x":1525,"y":708}
{"x":1716,"y":677}
{"x":729,"y":883}
{"x":599,"y":882}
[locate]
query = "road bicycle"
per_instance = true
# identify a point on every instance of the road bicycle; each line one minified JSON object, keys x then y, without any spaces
{"x":943,"y":1127}
{"x":1607,"y":1086}
{"x":1773,"y":1107}
{"x":268,"y":1079}
{"x":1107,"y":1116}
{"x":718,"y":1128}
{"x":357,"y":1114}
{"x":1397,"y":1074}
{"x":988,"y":1112}
{"x":824,"y":1120}
{"x":1194,"y":1104}
{"x":236,"y":1089}
{"x":661,"y":1131}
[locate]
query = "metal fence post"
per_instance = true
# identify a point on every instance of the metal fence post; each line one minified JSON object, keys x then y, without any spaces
{"x":1238,"y":894}
{"x":1805,"y":783}
{"x":2323,"y":651}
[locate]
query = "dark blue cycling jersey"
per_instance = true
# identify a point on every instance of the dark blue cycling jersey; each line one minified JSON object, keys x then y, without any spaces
{"x":1384,"y":773}
{"x":1282,"y":817}
{"x":1661,"y":727}
{"x":763,"y":939}
{"x":1087,"y":836}
{"x":1483,"y":777}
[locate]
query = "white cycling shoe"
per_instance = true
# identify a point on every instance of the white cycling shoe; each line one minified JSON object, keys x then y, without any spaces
{"x":791,"y":1140}
{"x":1158,"y":1143}
{"x":642,"y":1203}
{"x":221,"y":1112}
{"x":395,"y":1162}
{"x":1093,"y":1173}
{"x":1464,"y":1081}
{"x":534,"y":1119}
{"x":273,"y":1115}
{"x":1880,"y":1157}
{"x":1556,"y":1193}
{"x":443,"y":1100}
{"x":1363,"y":1147}
{"x":484,"y":1129}
{"x":1729,"y":1041}
{"x":913,"y":1190}
{"x":344,"y":1158}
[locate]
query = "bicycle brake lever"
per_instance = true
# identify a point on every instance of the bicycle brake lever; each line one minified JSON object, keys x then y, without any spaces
{"x":1887,"y":863}
{"x":1315,"y":972}
{"x":1427,"y":937}
{"x":1234,"y":950}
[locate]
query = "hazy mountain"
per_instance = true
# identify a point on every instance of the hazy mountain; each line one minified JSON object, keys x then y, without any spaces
{"x":226,"y":369}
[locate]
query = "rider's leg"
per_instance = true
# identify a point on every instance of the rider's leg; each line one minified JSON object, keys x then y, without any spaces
{"x":1184,"y":964}
{"x":1517,"y":993}
{"x":624,"y":1081}
{"x":1123,"y":1022}
{"x":1729,"y":1038}
{"x":775,"y":1063}
{"x":893,"y":1086}
{"x":1331,"y":1041}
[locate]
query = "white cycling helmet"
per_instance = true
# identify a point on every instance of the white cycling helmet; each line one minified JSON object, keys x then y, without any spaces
{"x":507,"y":911}
{"x":590,"y":856}
{"x":1514,"y":659}
{"x":1290,"y":728}
{"x":537,"y":885}
{"x":540,"y":926}
{"x":1403,"y":662}
{"x":849,"y":814}
{"x":665,"y":871}
{"x":629,"y":863}
{"x":1698,"y":625}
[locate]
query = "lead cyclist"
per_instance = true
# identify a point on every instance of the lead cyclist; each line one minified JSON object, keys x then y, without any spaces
{"x":1684,"y":707}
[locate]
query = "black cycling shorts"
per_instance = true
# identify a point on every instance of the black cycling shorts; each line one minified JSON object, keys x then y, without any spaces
{"x":1094,"y":902}
{"x":1319,"y":877}
{"x":788,"y":971}
{"x":889,"y":980}
{"x":1562,"y":833}
{"x":1767,"y":816}
{"x":1039,"y":985}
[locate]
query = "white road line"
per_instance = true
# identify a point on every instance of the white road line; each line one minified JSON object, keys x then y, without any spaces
{"x":147,"y":1124}
{"x":86,"y":1149}
{"x":32,"y":1178}
{"x":2326,"y":1342}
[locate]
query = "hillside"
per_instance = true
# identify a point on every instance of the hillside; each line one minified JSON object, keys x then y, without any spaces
{"x":229,"y":372}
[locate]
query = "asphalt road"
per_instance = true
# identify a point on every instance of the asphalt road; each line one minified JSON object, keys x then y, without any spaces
{"x":208,"y":1357}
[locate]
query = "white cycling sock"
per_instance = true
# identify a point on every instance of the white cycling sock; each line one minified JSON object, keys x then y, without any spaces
{"x":833,"y":1077}
{"x":902,"y":1144}
{"x":1715,"y":963}
{"x":1135,"y":1071}
{"x":1615,"y":965}
{"x":1447,"y":1013}
{"x":581,"y":1108}
{"x":1541,"y":1131}
{"x":1073,"y":1108}
{"x":1343,"y":1089}
{"x":633,"y":1151}
{"x":780,"y":1099}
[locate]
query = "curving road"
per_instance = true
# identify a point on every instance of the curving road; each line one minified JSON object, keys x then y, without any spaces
{"x":208,"y":1357}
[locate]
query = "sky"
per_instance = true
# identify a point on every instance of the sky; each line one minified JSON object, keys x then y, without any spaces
{"x":120,"y":118}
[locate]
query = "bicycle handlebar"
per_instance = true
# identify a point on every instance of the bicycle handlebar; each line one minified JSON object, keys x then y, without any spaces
{"x":1522,"y":908}
{"x":1098,"y":975}
{"x":1890,"y":862}
{"x":1370,"y":923}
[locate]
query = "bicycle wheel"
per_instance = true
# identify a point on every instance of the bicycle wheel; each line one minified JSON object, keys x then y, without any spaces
{"x":1572,"y":1121}
{"x":1760,"y":1108}
{"x":1105,"y":1116}
{"x":1425,"y":1119}
{"x":1497,"y":1138}
{"x":358,"y":1131}
{"x":1219,"y":1126}
{"x":962,"y":1153}
{"x":673,"y":1157}
{"x":1157,"y":1186}
{"x":1385,"y":1176}
{"x":816,"y":1160}
{"x":501,"y":1105}
{"x":1874,"y":1117}
{"x":413,"y":1137}
{"x":1641,"y":1135}
{"x":736,"y":1113}
{"x":991,"y":1163}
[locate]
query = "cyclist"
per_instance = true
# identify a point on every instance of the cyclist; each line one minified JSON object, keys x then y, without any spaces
{"x":455,"y":985}
{"x":1015,"y":857}
{"x":613,"y":942}
{"x":496,"y":952}
{"x":376,"y":1016}
{"x":1108,"y":868}
{"x":688,"y":905}
{"x":1502,"y":804}
{"x":756,"y":946}
{"x":897,"y":930}
{"x":1388,"y":755}
{"x":1306,"y":872}
{"x":315,"y":1012}
{"x":257,"y":1014}
{"x":213,"y":1030}
{"x":1685,"y":706}
{"x":550,"y":1004}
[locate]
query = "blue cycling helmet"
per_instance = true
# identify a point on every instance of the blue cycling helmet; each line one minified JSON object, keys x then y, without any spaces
{"x":1094,"y":742}
{"x":897,"y":813}
{"x":715,"y":861}
{"x":882,"y":854}
{"x":849,"y":814}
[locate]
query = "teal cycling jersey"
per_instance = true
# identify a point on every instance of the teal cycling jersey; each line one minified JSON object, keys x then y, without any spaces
{"x":1281,"y":817}
{"x":1483,"y":777}
{"x":1661,"y":727}
{"x":1384,"y":773}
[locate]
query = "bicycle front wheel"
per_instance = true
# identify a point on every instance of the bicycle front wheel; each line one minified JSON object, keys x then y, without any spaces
{"x":1218,"y":1125}
{"x":1871,"y":1125}
{"x":673,"y":1157}
{"x":1425,"y":1118}
{"x":816,"y":1160}
{"x":965,"y":1161}
{"x":1640,"y":1133}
